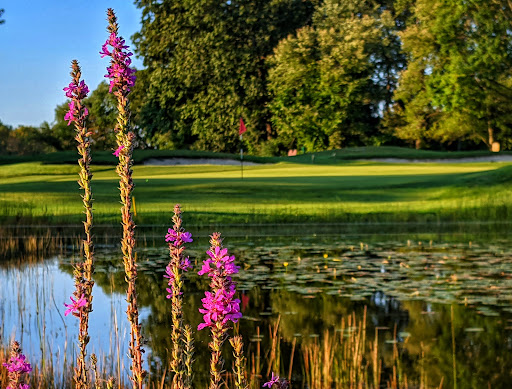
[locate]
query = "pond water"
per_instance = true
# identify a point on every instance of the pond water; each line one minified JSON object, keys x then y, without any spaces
{"x":424,"y":309}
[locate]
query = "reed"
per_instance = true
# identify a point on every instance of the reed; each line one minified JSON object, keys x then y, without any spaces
{"x":351,"y":361}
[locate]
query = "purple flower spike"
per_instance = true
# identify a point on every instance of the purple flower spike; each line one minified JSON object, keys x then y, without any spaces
{"x":75,"y":305}
{"x":219,"y":305}
{"x":17,"y":366}
{"x":76,"y":91}
{"x":122,"y":77}
{"x":177,"y":238}
{"x":273,"y":380}
{"x":118,"y":151}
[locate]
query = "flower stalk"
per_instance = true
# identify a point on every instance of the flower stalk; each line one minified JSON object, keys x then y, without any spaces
{"x":219,"y":306}
{"x":177,"y":237}
{"x":122,"y":78}
{"x":188,"y":357}
{"x":81,"y":306}
{"x":239,"y":364}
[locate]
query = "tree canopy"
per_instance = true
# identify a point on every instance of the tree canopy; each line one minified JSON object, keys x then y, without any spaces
{"x":314,"y":75}
{"x":457,"y":84}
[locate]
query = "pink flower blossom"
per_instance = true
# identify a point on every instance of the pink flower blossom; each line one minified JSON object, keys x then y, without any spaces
{"x":70,"y":115}
{"x":219,"y":264}
{"x":273,"y":380}
{"x":119,"y":72}
{"x":219,"y":306}
{"x":18,"y":365}
{"x":75,"y":306}
{"x":118,"y":151}
{"x":76,"y":91}
{"x":178,"y":237}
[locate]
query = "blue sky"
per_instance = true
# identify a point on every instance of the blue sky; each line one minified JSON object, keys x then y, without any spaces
{"x":37,"y":43}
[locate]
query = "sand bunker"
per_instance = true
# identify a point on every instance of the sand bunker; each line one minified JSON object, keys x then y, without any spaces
{"x":492,"y":158}
{"x":194,"y":161}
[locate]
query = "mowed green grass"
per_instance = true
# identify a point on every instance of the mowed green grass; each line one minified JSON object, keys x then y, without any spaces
{"x":364,"y":192}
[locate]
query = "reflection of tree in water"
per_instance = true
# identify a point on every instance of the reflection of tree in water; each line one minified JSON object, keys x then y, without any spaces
{"x":479,"y":355}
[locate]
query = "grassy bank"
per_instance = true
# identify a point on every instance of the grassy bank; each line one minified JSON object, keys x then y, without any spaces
{"x":328,"y":190}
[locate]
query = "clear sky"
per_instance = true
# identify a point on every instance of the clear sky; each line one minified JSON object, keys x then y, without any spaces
{"x":37,"y":43}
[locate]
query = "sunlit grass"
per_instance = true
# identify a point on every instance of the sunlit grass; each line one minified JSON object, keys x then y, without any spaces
{"x":270,"y":193}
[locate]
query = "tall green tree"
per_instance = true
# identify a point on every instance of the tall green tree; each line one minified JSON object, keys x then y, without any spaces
{"x":460,"y":52}
{"x":327,"y":80}
{"x":102,"y":118}
{"x":64,"y":134}
{"x":205,"y":67}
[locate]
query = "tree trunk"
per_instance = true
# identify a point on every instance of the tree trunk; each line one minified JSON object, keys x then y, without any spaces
{"x":418,"y":143}
{"x":490,"y":131}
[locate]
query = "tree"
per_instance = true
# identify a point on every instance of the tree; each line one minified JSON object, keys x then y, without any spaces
{"x":102,"y":117}
{"x":461,"y":54}
{"x":5,"y":132}
{"x":27,"y":140}
{"x":64,"y":134}
{"x":206,"y":67}
{"x":326,"y":80}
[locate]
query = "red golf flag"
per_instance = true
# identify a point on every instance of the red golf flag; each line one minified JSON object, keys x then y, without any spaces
{"x":242,"y":127}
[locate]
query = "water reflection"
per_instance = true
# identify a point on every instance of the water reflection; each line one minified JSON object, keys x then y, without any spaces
{"x":436,"y":310}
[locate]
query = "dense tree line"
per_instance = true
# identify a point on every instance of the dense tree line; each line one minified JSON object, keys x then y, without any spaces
{"x":315,"y":75}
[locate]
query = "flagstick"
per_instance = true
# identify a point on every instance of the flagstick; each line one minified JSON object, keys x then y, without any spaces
{"x":241,"y":158}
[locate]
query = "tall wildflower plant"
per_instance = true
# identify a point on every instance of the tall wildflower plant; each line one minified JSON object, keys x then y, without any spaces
{"x":219,"y":305}
{"x":181,"y":340}
{"x":81,"y":305}
{"x":17,"y":367}
{"x":122,"y":79}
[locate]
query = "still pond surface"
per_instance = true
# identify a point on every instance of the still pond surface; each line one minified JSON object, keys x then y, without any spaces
{"x":424,"y":309}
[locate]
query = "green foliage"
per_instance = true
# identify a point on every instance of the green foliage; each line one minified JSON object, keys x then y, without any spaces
{"x":26,"y":140}
{"x":4,"y":136}
{"x":326,"y":80}
{"x":206,"y":67}
{"x":459,"y":78}
{"x":61,"y":131}
{"x":102,"y":117}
